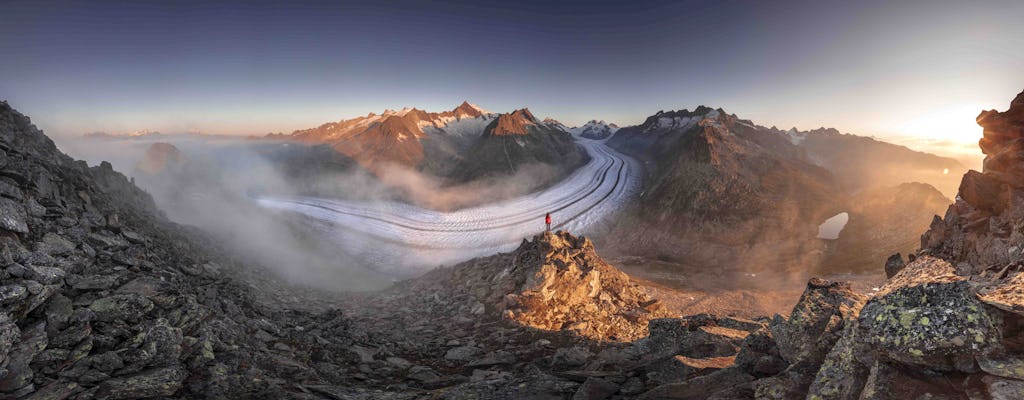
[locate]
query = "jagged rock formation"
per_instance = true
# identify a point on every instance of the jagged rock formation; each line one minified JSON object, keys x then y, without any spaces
{"x":982,"y":229}
{"x":555,"y":282}
{"x":554,"y":315}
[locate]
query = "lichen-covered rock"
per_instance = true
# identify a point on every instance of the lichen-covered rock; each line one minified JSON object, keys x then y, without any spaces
{"x":127,"y":307}
{"x":55,"y":245}
{"x":816,"y":321}
{"x":841,"y":375}
{"x":759,"y":355}
{"x":926,"y":315}
{"x":150,"y":383}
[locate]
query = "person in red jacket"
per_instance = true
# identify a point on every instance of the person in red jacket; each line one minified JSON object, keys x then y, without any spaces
{"x":547,"y":220}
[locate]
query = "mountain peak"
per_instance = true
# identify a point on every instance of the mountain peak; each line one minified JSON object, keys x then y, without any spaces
{"x":467,"y":109}
{"x":514,"y":123}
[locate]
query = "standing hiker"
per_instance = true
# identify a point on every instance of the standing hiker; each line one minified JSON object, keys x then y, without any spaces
{"x":547,"y":220}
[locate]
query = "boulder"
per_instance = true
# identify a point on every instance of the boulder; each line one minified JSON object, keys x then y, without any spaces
{"x":816,"y":321}
{"x":701,"y":387}
{"x":893,"y":265}
{"x":759,"y":356}
{"x":680,"y":368}
{"x":55,"y":245}
{"x":12,"y":293}
{"x":127,"y":307}
{"x":12,"y":216}
{"x":595,"y":389}
{"x":19,"y":374}
{"x":927,"y":316}
{"x":150,"y":383}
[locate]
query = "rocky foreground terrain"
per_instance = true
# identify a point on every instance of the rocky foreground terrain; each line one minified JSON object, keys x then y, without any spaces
{"x":103,"y":298}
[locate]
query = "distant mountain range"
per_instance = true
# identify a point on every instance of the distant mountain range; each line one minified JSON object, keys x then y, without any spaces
{"x":721,"y":190}
{"x":463,"y":144}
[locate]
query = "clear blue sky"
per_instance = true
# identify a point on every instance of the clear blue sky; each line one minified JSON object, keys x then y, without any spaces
{"x":876,"y":68}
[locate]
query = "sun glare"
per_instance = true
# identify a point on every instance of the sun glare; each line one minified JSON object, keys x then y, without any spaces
{"x":955,"y":124}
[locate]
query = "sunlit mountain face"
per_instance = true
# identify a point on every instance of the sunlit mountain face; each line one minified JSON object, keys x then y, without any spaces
{"x":511,"y":200}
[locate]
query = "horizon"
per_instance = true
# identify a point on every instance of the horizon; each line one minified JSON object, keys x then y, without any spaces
{"x":252,"y":68}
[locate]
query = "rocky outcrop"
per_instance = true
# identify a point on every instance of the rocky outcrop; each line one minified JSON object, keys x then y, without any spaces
{"x":556,"y":282}
{"x":101,"y":297}
{"x":947,"y":324}
{"x":981,"y":232}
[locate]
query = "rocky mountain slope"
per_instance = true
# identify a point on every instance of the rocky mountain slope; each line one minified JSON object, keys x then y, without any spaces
{"x":459,"y":145}
{"x":722,"y":191}
{"x":883,"y":222}
{"x":104,"y":298}
{"x":862,"y":163}
{"x":515,"y":140}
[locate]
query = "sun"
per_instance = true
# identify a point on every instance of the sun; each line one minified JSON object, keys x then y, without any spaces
{"x":954,"y":124}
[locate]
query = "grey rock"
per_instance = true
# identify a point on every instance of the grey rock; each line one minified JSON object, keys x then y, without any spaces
{"x":58,"y":312}
{"x":34,"y":208}
{"x":18,"y":270}
{"x":128,"y":307}
{"x":12,"y":293}
{"x":700,"y":387}
{"x":9,"y":191}
{"x":595,"y":389}
{"x":398,"y":362}
{"x":422,"y":374}
{"x":19,"y":374}
{"x":12,"y":216}
{"x":150,"y":383}
{"x":893,"y":265}
{"x":570,"y":357}
{"x":9,"y":333}
{"x":47,"y":275}
{"x":929,"y":316}
{"x":106,"y":362}
{"x":462,"y":353}
{"x":55,"y":245}
{"x":56,"y":390}
{"x":71,"y":336}
{"x":1003,"y":389}
{"x":816,"y":321}
{"x":133,"y":237}
{"x":92,"y":282}
{"x":106,"y":242}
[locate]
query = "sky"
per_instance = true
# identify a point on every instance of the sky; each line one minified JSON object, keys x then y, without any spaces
{"x":915,"y":72}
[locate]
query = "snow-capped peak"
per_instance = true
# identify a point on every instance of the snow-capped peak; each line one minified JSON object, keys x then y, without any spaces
{"x":595,"y":129}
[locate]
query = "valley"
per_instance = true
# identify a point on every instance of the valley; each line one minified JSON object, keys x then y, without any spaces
{"x":406,"y":240}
